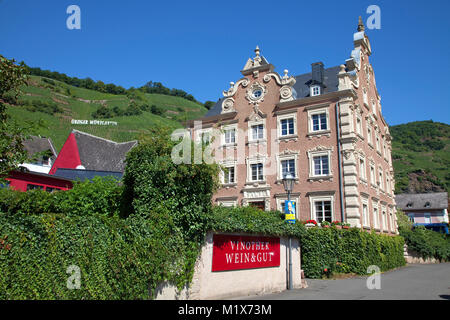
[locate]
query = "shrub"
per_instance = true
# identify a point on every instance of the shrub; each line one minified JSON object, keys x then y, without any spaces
{"x":132,"y":110}
{"x":427,"y":243}
{"x":118,"y":258}
{"x":348,"y":251}
{"x":99,"y":196}
{"x":252,"y":220}
{"x":153,"y":181}
{"x":156,"y":110}
{"x":42,"y":106}
{"x":102,"y":113}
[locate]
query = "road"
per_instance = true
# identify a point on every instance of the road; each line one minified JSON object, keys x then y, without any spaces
{"x":415,"y":281}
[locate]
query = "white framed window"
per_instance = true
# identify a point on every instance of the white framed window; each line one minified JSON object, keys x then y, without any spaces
{"x":315,"y":91}
{"x":391,"y":220}
{"x":287,"y":125}
{"x":374,"y":107}
{"x":377,"y":142}
{"x":376,"y":221}
{"x":369,"y":134}
{"x":320,"y":163}
{"x":385,"y":221}
{"x":372,"y":175}
{"x":229,"y":175}
{"x":365,"y":99}
{"x":359,"y":129}
{"x":318,"y":120}
{"x":257,"y":171}
{"x":381,"y":180}
{"x":365,"y":214}
{"x":230,"y":136}
{"x":322,"y":209}
{"x":427,"y":217}
{"x":362,"y":168}
{"x":288,"y":166}
{"x":287,"y":163}
{"x":257,"y":132}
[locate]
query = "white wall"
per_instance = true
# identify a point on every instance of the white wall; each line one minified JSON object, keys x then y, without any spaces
{"x":238,"y":283}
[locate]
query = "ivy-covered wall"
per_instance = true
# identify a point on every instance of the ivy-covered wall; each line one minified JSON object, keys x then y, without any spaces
{"x":328,"y":250}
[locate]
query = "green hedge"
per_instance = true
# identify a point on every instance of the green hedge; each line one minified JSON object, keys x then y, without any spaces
{"x":101,"y":196}
{"x":427,"y":243}
{"x":252,"y":220}
{"x":118,"y":258}
{"x":348,"y":251}
{"x":337,"y":250}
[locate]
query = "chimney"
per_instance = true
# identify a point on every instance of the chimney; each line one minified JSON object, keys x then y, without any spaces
{"x":317,"y":73}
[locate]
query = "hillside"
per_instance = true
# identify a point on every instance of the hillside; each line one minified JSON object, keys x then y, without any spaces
{"x":421,"y":157}
{"x":57,"y":103}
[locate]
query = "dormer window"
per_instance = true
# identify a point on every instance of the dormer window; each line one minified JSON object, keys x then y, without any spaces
{"x":315,"y":91}
{"x":427,"y":204}
{"x":409,"y":205}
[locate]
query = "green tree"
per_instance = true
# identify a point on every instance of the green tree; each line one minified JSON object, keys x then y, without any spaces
{"x":12,"y":152}
{"x":209,"y":104}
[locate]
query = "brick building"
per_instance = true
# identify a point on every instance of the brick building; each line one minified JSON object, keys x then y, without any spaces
{"x":325,"y":127}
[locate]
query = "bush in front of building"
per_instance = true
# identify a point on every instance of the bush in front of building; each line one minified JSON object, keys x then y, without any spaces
{"x":348,"y":251}
{"x":427,"y":243}
{"x":101,"y":195}
{"x":254,"y":221}
{"x":57,"y":256}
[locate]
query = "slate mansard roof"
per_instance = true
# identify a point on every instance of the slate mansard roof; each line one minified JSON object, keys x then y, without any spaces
{"x":101,"y":154}
{"x":422,"y":201}
{"x":331,"y":83}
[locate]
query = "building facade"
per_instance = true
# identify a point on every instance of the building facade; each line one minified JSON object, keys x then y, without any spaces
{"x":324,"y":127}
{"x":427,"y":209}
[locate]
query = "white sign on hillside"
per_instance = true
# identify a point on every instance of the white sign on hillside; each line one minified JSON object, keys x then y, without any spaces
{"x":95,"y":122}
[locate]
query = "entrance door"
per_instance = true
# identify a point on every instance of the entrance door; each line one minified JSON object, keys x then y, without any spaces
{"x":259,"y":204}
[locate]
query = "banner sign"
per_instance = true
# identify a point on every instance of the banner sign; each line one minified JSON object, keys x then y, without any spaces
{"x":231,"y":252}
{"x":289,"y":209}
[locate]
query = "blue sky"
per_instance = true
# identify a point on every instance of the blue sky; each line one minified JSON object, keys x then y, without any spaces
{"x":200,"y":46}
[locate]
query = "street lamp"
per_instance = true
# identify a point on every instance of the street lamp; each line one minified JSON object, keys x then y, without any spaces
{"x":288,"y":183}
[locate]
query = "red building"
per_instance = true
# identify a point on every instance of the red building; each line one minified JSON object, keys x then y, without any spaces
{"x":24,"y":181}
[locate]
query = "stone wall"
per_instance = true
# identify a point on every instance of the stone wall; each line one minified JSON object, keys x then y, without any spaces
{"x":413,"y":257}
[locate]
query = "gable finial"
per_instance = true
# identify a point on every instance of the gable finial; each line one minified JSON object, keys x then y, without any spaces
{"x":257,"y":51}
{"x":360,"y":25}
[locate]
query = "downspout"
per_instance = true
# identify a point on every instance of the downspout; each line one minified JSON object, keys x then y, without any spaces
{"x":341,"y":187}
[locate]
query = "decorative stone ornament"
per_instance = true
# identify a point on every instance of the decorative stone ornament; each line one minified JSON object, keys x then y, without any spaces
{"x":286,"y":83}
{"x":228,"y":105}
{"x":256,"y":92}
